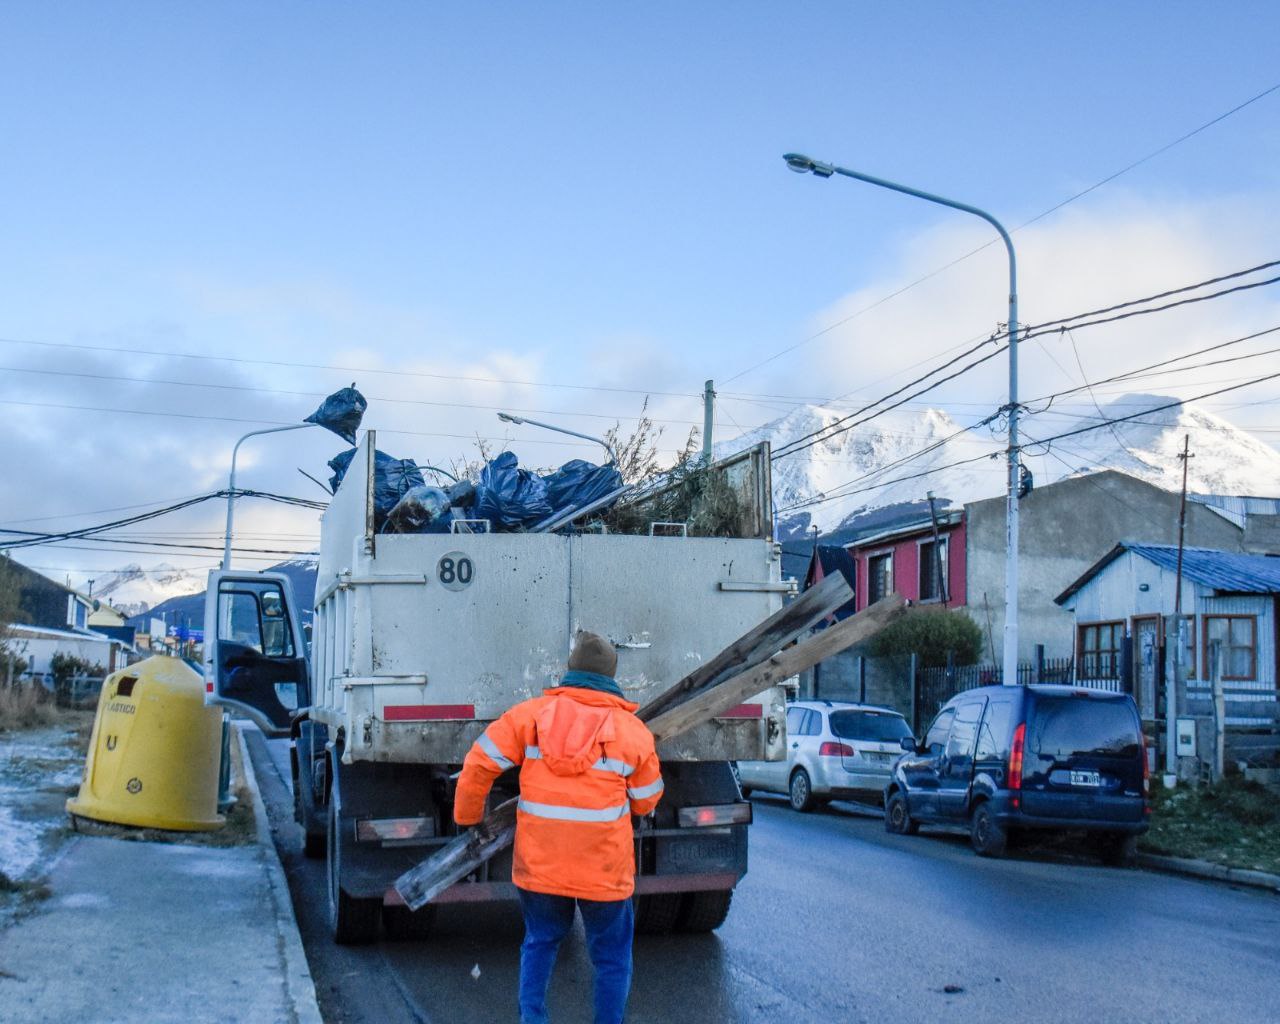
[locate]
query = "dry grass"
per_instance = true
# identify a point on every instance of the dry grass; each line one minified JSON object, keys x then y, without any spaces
{"x":28,"y":706}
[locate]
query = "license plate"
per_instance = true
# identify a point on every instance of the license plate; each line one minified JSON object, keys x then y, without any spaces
{"x":1086,"y":779}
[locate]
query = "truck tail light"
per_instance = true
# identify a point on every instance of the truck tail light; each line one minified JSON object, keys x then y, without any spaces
{"x":1015,"y":762}
{"x":394,"y":830}
{"x":715,"y":814}
{"x":830,"y":749}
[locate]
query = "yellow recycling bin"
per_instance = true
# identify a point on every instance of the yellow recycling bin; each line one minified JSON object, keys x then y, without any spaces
{"x":153,"y":756}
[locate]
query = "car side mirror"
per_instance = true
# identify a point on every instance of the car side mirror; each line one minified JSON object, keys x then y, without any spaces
{"x":908,"y":743}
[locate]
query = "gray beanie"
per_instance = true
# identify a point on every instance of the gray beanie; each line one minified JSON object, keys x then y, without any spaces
{"x":593,"y":653}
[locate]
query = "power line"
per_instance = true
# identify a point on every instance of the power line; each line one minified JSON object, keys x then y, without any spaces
{"x":342,"y":369}
{"x":1027,"y":223}
{"x":318,"y":394}
{"x":281,"y":423}
{"x":795,"y":446}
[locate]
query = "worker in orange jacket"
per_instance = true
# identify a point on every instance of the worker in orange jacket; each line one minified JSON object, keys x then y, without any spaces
{"x":587,"y":765}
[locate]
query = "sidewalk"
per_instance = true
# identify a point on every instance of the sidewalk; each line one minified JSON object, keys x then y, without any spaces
{"x":166,"y":932}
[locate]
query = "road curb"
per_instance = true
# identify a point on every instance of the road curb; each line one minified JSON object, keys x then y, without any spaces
{"x":299,"y":986}
{"x":1213,"y":872}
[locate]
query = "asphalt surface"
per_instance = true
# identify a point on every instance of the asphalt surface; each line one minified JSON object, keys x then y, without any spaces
{"x":837,"y":920}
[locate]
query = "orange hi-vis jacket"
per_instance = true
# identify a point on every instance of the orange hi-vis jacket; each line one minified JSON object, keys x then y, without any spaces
{"x":586,"y":765}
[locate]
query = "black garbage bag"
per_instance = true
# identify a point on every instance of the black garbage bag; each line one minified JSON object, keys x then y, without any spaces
{"x":392,"y":479}
{"x":509,"y":497}
{"x":578,"y":483}
{"x":423,"y":509}
{"x":341,"y":412}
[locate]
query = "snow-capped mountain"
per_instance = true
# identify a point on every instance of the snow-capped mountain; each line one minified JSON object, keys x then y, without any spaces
{"x":900,"y":456}
{"x":133,"y":590}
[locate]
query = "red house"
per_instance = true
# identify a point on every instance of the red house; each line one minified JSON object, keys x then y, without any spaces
{"x":922,"y":562}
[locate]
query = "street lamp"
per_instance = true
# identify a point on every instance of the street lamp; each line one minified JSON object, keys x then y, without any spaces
{"x":507,"y":417}
{"x":231,"y":483}
{"x":806,"y":165}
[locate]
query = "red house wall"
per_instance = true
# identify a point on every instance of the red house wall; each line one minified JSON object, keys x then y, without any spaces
{"x":906,"y":564}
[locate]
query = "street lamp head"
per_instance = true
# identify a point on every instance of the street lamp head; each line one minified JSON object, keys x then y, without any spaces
{"x":506,"y":417}
{"x":802,"y":164}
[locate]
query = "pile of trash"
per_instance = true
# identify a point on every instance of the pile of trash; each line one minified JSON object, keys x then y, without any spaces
{"x":508,"y":498}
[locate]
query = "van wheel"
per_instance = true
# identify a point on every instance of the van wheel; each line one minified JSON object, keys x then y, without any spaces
{"x":988,"y":836}
{"x":354,"y":921}
{"x":801,"y":791}
{"x":897,"y":819}
{"x":1117,"y":850}
{"x":657,"y":913}
{"x":704,"y":911}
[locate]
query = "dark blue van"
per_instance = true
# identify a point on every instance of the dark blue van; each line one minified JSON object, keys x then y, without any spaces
{"x":1003,"y":758}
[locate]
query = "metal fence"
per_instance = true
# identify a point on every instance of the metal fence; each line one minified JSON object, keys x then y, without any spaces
{"x":933,"y":687}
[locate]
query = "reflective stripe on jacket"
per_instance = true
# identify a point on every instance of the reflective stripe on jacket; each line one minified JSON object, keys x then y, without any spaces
{"x":587,"y":764}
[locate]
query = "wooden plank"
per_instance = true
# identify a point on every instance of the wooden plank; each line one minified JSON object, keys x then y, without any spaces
{"x":717,"y":699}
{"x":774,"y":633}
{"x":457,"y":859}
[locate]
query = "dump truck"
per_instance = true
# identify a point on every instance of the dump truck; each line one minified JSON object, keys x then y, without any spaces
{"x":418,"y":641}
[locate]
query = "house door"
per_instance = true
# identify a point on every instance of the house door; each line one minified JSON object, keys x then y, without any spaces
{"x":1146,"y":663}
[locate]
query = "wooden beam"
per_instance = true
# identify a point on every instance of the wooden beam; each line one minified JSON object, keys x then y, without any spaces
{"x":774,"y":633}
{"x":461,"y":856}
{"x":717,"y":699}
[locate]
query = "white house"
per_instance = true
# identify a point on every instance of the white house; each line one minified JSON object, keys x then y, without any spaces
{"x":1123,"y":600}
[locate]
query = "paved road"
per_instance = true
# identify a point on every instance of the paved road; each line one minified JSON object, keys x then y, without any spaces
{"x":839,"y":921}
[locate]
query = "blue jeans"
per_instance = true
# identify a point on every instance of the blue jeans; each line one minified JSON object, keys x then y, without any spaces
{"x":609,"y":927}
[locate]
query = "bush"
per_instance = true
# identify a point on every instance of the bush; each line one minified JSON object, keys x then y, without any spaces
{"x":26,"y":707}
{"x":930,"y":634}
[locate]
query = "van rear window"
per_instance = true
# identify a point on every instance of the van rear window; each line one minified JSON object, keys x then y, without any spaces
{"x":869,"y":725}
{"x":1066,"y":726}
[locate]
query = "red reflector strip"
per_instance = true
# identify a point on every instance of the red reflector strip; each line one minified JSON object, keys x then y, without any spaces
{"x":716,"y":814}
{"x":744,"y":711}
{"x":428,"y":712}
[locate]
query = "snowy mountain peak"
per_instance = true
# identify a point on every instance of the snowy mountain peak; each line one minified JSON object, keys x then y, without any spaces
{"x":133,"y":589}
{"x":900,"y":456}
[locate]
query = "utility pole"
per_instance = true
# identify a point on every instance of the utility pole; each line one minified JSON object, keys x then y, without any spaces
{"x":1175,"y":636}
{"x":708,"y":418}
{"x":944,"y":591}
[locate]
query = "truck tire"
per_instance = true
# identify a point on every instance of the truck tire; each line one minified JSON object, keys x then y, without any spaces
{"x":704,"y":911}
{"x":315,"y":845}
{"x":354,"y":921}
{"x":658,"y":913}
{"x":403,"y":924}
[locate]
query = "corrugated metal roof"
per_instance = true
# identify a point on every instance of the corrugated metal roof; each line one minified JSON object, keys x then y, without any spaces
{"x":1221,"y":570}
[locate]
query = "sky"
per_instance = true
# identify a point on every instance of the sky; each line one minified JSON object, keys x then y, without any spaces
{"x":577,"y":209}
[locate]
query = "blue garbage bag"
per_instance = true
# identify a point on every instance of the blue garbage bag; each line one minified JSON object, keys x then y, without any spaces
{"x":341,"y":412}
{"x":509,"y":497}
{"x":392,"y":479}
{"x":578,"y":483}
{"x":339,"y":464}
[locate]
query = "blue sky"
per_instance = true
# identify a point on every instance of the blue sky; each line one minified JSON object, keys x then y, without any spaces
{"x":581,"y":194}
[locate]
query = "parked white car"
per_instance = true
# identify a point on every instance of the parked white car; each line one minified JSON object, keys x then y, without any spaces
{"x":834,"y":751}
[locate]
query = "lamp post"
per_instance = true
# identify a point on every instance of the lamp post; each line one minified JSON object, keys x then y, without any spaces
{"x":231,"y":483}
{"x":507,"y":417}
{"x":805,"y":165}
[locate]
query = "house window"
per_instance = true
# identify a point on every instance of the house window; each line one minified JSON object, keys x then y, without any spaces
{"x":933,"y":570}
{"x":879,"y":577}
{"x":1099,"y":650}
{"x":1238,"y":635}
